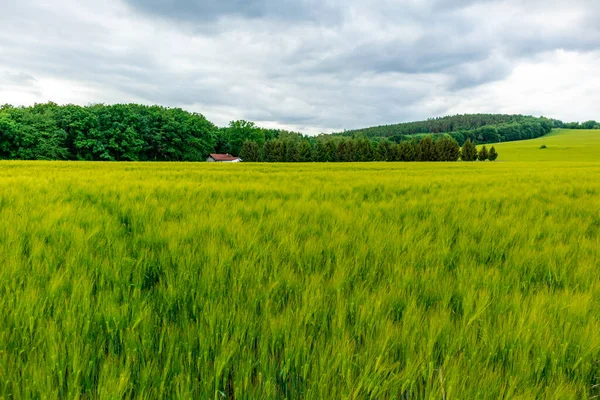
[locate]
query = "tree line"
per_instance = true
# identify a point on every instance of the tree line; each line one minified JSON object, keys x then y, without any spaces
{"x":336,"y":149}
{"x":121,"y":132}
{"x":132,"y":132}
{"x":591,"y":124}
{"x":480,"y":128}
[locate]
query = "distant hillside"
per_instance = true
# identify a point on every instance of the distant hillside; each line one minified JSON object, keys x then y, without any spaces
{"x":561,"y":145}
{"x":482,"y":128}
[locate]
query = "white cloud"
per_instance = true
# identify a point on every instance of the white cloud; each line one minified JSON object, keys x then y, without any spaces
{"x":558,"y":84}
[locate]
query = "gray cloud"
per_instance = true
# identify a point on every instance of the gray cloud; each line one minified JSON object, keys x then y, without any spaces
{"x":305,"y":64}
{"x":17,"y":78}
{"x":207,"y":11}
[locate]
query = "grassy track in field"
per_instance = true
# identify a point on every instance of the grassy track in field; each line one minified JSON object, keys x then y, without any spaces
{"x":319,"y":281}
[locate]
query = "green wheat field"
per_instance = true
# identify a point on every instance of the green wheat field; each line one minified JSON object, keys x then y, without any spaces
{"x":318,"y":281}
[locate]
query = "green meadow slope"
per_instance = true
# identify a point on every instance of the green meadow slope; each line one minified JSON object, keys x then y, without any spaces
{"x":561,"y":145}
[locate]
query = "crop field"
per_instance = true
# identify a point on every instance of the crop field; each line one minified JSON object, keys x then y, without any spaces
{"x":319,"y":281}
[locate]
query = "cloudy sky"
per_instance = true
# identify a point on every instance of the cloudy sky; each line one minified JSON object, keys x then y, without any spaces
{"x":310,"y":65}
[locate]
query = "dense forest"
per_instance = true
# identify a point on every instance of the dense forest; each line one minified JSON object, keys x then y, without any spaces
{"x":131,"y":132}
{"x":481,"y":128}
{"x":98,"y":132}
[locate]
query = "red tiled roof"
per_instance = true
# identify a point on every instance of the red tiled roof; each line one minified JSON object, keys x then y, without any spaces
{"x":223,"y":157}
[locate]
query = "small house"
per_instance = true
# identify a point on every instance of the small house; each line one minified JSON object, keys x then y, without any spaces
{"x":223,"y":158}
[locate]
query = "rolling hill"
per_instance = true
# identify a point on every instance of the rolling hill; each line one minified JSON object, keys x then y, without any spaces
{"x":560,"y":145}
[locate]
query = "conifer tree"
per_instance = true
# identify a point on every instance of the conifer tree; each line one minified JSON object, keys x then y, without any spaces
{"x":493,"y":154}
{"x":250,"y":151}
{"x":291,"y":153}
{"x":342,"y":151}
{"x":447,"y":149}
{"x":331,"y":151}
{"x":320,"y":152}
{"x":428,"y":150}
{"x":279,"y":150}
{"x":394,"y":152}
{"x":304,"y":151}
{"x":382,"y":152}
{"x":362,"y":150}
{"x":268,"y":152}
{"x":469,"y":151}
{"x":483,"y":154}
{"x":407,"y":151}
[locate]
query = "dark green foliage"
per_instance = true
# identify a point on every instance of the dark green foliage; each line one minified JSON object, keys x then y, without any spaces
{"x":120,"y":132}
{"x":408,"y":151}
{"x":130,"y":132}
{"x":286,"y":149}
{"x":363,"y":150}
{"x":447,"y":149}
{"x":469,"y":151}
{"x":345,"y":151}
{"x":32,"y":133}
{"x":428,"y":149}
{"x":250,"y":151}
{"x":279,"y":150}
{"x":458,"y":136}
{"x":291,"y":151}
{"x":493,"y":154}
{"x":488,"y":134}
{"x":394,"y":152}
{"x":480,"y":128}
{"x":590,"y":125}
{"x":305,"y":151}
{"x":483,"y":154}
{"x":382,"y":153}
{"x":240,"y":131}
{"x":320,"y":152}
{"x":8,"y":134}
{"x":577,"y":125}
{"x":331,"y":151}
{"x":268,"y":153}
